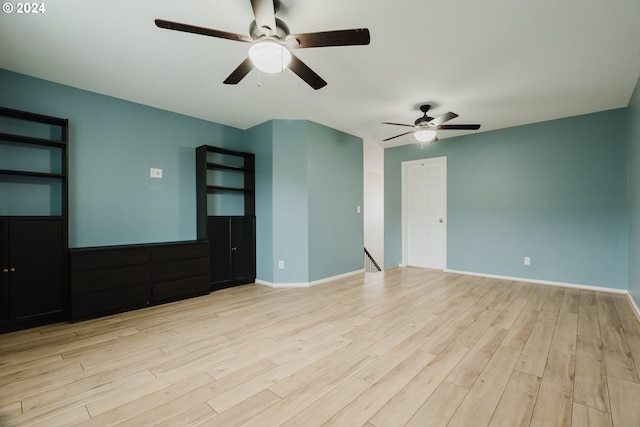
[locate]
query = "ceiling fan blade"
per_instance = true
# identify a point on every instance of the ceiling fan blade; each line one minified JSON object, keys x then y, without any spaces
{"x":306,"y":73}
{"x":443,"y":118}
{"x":397,"y":136}
{"x":459,"y":127}
{"x":397,"y":124}
{"x":265,"y":14}
{"x":358,"y":36}
{"x":240,"y":72}
{"x":177,"y":26}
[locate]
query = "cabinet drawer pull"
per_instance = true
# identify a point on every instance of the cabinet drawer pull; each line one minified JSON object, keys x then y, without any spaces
{"x":12,"y":270}
{"x":5,"y":270}
{"x":234,"y":249}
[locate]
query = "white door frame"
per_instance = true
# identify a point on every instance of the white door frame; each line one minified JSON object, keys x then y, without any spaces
{"x":405,"y":209}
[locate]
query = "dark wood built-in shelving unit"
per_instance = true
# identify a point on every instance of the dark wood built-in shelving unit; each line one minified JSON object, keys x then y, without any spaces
{"x":225,"y":198}
{"x":34,"y":284}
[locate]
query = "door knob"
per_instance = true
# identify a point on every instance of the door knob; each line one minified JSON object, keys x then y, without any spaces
{"x":234,"y":249}
{"x":441,"y":220}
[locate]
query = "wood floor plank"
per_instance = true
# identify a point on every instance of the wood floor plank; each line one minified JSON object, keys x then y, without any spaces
{"x":440,"y":407}
{"x":554,"y":404}
{"x":590,"y":382}
{"x":449,"y":332}
{"x":554,"y":299}
{"x":318,"y":413}
{"x":9,"y":410}
{"x":534,"y":354}
{"x":630,"y":323}
{"x":360,"y":410}
{"x":148,"y":402}
{"x":381,"y":366}
{"x":515,"y":407}
{"x":96,"y":388}
{"x":405,"y":346}
{"x":331,"y":362}
{"x":570,"y":301}
{"x":512,"y":311}
{"x":189,"y":416}
{"x":538,"y":298}
{"x":71,"y":416}
{"x":509,"y":291}
{"x":407,"y":401}
{"x":479,"y":404}
{"x":588,"y":323}
{"x":243,"y":391}
{"x":468,"y":370}
{"x":305,"y":396}
{"x":519,"y":333}
{"x":617,"y":356}
{"x":244,"y":410}
{"x":469,"y":336}
{"x":589,"y":417}
{"x":566,"y":333}
{"x":625,"y":396}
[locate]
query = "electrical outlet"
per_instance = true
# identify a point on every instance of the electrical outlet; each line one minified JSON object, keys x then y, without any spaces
{"x":281,"y":264}
{"x":156,"y":173}
{"x":527,"y":260}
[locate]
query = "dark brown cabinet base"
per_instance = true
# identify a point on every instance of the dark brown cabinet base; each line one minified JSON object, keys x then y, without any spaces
{"x":232,"y":249}
{"x":33,"y":286}
{"x":113,"y":279}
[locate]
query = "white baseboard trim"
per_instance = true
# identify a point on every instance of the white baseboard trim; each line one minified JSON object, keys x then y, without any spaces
{"x":306,"y":284}
{"x":542,"y":282}
{"x":634,"y":305}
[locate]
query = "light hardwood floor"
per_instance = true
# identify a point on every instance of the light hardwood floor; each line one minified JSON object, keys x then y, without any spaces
{"x":403,"y":347}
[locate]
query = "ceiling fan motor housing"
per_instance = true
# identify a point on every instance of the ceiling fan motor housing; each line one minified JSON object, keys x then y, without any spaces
{"x":281,"y":31}
{"x":423,"y":121}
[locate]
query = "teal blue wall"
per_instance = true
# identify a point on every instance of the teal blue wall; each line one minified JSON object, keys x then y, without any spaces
{"x":335,"y":177}
{"x":309,"y":180}
{"x":290,"y":201}
{"x":261,"y":138}
{"x":634,"y":195}
{"x":113,"y":143}
{"x":554,"y":191}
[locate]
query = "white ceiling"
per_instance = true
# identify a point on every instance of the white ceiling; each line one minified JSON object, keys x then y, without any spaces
{"x":499,"y":63}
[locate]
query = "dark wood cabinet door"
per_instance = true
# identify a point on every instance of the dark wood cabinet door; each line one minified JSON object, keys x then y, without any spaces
{"x":232,"y":244}
{"x":4,"y":273}
{"x":219,"y":231}
{"x":38,"y":289}
{"x":243,"y":249}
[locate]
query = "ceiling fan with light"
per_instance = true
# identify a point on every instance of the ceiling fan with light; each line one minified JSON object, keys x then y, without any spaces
{"x":425,"y":127}
{"x":272,"y":43}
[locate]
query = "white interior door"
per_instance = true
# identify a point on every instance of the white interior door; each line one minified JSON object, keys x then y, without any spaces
{"x":424,"y":212}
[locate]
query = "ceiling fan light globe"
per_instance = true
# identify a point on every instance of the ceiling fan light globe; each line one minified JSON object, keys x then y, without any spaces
{"x":425,"y":135}
{"x":269,"y":56}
